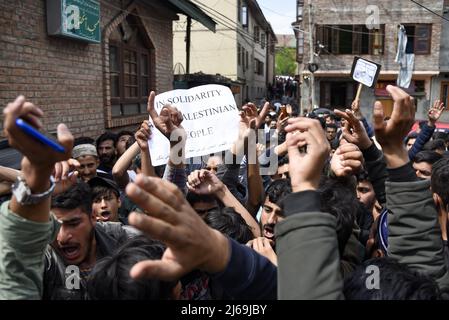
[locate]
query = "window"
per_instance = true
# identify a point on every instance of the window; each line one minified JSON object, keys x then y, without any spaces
{"x":256,"y":34}
{"x":246,"y":59}
{"x":239,"y":58}
{"x":445,"y":94}
{"x":245,"y":65}
{"x":244,"y":15}
{"x":262,"y":40}
{"x":299,"y":9}
{"x":130,"y":70}
{"x":351,"y":39}
{"x":419,"y":39}
{"x":258,"y":67}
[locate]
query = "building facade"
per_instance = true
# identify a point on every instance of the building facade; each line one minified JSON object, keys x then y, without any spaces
{"x":242,"y":49}
{"x":342,"y":29}
{"x":95,"y":85}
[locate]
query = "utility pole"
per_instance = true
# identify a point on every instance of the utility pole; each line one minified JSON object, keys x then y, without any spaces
{"x":311,"y":51}
{"x":189,"y":29}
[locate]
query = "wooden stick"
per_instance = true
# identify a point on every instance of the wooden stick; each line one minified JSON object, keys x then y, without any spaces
{"x":359,"y":91}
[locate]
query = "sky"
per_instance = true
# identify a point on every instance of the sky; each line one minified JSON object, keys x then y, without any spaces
{"x":280,"y":13}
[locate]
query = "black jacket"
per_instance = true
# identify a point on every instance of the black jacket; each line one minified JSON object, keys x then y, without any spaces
{"x":108,"y":235}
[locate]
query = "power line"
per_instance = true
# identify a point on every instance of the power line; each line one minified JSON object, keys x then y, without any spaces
{"x":431,"y":11}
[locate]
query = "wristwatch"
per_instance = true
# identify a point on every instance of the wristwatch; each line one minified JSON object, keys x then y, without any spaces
{"x":23,"y":193}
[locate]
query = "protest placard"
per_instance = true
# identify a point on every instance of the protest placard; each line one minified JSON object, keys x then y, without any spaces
{"x":210,"y":118}
{"x":365,"y":72}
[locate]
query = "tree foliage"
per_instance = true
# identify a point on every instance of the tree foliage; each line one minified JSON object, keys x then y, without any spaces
{"x":285,"y":62}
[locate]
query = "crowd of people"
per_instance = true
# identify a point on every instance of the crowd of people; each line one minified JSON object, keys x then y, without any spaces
{"x":345,"y":196}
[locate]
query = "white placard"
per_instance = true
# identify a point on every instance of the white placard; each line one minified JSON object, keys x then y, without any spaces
{"x":365,"y":72}
{"x":211,"y":121}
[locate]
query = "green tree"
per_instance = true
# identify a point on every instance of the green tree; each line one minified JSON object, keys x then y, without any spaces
{"x":285,"y":62}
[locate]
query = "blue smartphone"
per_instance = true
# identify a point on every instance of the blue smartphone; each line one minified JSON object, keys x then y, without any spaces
{"x":39,"y":136}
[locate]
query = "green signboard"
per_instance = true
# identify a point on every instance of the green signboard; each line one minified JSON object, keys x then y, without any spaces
{"x":79,"y":19}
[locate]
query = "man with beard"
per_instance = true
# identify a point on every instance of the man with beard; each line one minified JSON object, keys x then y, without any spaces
{"x":80,"y":243}
{"x":272,"y":211}
{"x":106,"y":151}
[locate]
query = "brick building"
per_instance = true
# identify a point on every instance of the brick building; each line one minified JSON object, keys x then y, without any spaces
{"x":341,"y":29}
{"x":92,"y":87}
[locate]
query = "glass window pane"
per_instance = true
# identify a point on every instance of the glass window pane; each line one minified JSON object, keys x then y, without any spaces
{"x":127,"y":92}
{"x":143,"y":108}
{"x":113,"y":59}
{"x":144,"y":86}
{"x":115,"y":110}
{"x":144,"y":65}
{"x":129,"y":109}
{"x":115,"y":86}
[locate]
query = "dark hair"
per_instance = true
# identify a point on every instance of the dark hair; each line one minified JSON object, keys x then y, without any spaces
{"x":278,"y":190}
{"x":439,"y":179}
{"x":322,"y":120}
{"x":331,"y":125}
{"x":83,"y":140}
{"x":77,"y":196}
{"x":130,"y":142}
{"x":362,"y":176}
{"x":412,"y":135}
{"x":396,"y":282}
{"x":283,"y":160}
{"x":441,"y":136}
{"x":230,"y":223}
{"x":110,"y":278}
{"x":339,"y":200}
{"x":433,"y":145}
{"x":107,"y":136}
{"x":427,"y":156}
{"x":123,"y":133}
{"x":193,"y":198}
{"x":99,"y":191}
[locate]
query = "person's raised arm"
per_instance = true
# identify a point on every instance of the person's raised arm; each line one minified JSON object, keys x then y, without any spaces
{"x":414,"y":236}
{"x":253,"y":120}
{"x":26,"y":227}
{"x":142,"y":136}
{"x":428,"y":129}
{"x":39,"y":160}
{"x":205,"y":182}
{"x":307,"y":246}
{"x":169,"y":124}
{"x":120,"y":169}
{"x":355,"y":133}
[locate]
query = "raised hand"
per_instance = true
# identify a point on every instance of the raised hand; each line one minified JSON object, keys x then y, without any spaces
{"x":435,"y":112}
{"x":191,"y":244}
{"x":391,"y":134}
{"x":65,"y":175}
{"x":168,"y":120}
{"x":354,"y":132}
{"x":250,"y":113}
{"x":38,"y":154}
{"x":308,"y":150}
{"x":204,"y":182}
{"x":347,"y":160}
{"x":143,"y":135}
{"x":263,"y":246}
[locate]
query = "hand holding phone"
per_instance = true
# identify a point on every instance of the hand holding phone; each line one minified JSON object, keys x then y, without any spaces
{"x":37,"y":135}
